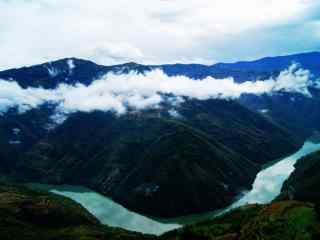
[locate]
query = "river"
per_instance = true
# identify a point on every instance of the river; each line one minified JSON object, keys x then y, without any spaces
{"x":268,"y":183}
{"x":265,"y":188}
{"x":108,"y":211}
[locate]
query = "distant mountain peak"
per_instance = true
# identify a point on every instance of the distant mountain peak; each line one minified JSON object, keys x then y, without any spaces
{"x":76,"y":70}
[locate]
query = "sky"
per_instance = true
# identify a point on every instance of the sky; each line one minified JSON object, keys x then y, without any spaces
{"x":155,"y":31}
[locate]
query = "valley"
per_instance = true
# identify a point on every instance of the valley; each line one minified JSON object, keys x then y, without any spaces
{"x":266,"y":187}
{"x":162,"y":160}
{"x":159,"y":120}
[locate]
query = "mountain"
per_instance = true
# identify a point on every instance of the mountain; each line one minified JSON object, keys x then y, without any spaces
{"x":144,"y":159}
{"x":69,"y":71}
{"x":303,"y":184}
{"x":275,"y":64}
{"x":296,"y":112}
{"x":246,"y":71}
{"x":73,"y":70}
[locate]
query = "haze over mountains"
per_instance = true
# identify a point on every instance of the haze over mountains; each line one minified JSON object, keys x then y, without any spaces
{"x":130,"y":132}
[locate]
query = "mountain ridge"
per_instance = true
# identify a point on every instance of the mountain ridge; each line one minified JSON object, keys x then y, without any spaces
{"x":243,"y":70}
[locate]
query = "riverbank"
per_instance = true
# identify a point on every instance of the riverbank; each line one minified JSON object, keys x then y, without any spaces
{"x":266,"y":187}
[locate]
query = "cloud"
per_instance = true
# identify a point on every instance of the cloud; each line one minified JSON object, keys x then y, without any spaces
{"x":113,"y":53}
{"x":155,"y":31}
{"x":121,"y":92}
{"x":12,"y":95}
{"x":294,"y":79}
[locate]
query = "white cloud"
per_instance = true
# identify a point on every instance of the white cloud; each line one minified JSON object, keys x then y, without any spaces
{"x":294,"y":80}
{"x":118,"y":93}
{"x":113,"y":53}
{"x":12,"y":95}
{"x":149,"y":31}
{"x":174,"y":113}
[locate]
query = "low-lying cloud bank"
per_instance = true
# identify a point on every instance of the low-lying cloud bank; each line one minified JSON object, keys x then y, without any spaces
{"x":118,"y":93}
